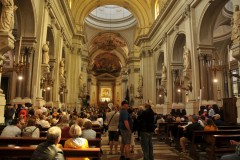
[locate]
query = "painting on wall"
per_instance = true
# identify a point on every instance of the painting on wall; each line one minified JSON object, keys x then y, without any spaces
{"x":105,"y":94}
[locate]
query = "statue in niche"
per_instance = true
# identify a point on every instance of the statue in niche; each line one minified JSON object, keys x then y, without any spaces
{"x":45,"y":50}
{"x":236,"y":24}
{"x":62,"y":68}
{"x":140,"y":86}
{"x":164,"y":71}
{"x":7,"y":15}
{"x":186,"y":58}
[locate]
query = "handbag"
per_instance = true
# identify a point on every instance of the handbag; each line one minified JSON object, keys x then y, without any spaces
{"x":110,"y":120}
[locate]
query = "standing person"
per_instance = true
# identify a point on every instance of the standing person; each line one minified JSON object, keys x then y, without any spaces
{"x":125,"y":125}
{"x":48,"y":149}
{"x":146,"y":131}
{"x":112,"y":119}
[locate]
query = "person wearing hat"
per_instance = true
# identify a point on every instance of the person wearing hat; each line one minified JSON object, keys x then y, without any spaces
{"x":188,"y":132}
{"x":217,"y":120}
{"x":125,"y":126}
{"x":205,"y":113}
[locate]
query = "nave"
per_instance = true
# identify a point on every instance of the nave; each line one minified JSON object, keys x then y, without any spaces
{"x":161,"y":151}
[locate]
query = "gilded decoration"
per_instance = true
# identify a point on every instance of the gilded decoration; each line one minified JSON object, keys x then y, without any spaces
{"x":108,"y":41}
{"x":106,"y":63}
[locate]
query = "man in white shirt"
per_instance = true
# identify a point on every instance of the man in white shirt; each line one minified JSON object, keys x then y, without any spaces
{"x":113,"y":121}
{"x":13,"y":130}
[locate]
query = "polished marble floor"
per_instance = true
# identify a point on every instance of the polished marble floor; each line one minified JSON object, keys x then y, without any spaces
{"x":161,"y":151}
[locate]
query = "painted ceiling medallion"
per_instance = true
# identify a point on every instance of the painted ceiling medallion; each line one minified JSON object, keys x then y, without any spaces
{"x":108,"y":41}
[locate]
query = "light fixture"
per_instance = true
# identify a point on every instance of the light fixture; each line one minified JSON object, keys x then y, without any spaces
{"x":48,"y":88}
{"x":215,"y":80}
{"x":20,"y":77}
{"x":179,"y":90}
{"x":160,"y":95}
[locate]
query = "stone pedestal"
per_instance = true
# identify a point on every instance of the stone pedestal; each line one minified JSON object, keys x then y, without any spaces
{"x":6,"y":44}
{"x":187,"y":74}
{"x":236,"y":50}
{"x":45,"y":69}
{"x":39,"y":102}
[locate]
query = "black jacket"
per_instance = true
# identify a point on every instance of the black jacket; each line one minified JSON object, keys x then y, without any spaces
{"x":146,"y":120}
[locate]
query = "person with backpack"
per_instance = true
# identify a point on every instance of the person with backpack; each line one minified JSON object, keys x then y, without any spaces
{"x":31,"y":130}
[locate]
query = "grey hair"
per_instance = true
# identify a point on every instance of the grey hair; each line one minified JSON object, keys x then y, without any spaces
{"x":53,"y":134}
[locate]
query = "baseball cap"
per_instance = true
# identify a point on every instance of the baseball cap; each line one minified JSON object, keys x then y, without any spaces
{"x":124,"y":102}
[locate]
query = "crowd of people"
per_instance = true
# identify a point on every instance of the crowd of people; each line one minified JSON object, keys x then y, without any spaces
{"x":24,"y":120}
{"x":124,"y":121}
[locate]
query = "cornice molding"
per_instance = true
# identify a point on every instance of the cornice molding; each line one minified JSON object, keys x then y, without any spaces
{"x":162,"y":15}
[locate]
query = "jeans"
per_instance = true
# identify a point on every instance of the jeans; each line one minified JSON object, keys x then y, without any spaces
{"x":147,"y":146}
{"x":233,"y":156}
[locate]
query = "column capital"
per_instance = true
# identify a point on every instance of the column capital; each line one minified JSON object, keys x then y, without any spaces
{"x":205,"y":51}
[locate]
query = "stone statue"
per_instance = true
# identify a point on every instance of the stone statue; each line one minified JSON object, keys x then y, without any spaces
{"x":236,"y":25}
{"x":7,"y":16}
{"x":45,"y":50}
{"x":186,"y":58}
{"x":164,"y":71}
{"x":62,"y":68}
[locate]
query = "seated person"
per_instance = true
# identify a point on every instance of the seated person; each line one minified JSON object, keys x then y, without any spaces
{"x":49,"y":150}
{"x":233,"y":156}
{"x":217,"y":120}
{"x":43,"y":122}
{"x":188,"y":132}
{"x":210,"y":126}
{"x":76,"y":141}
{"x":88,"y":132}
{"x":13,"y":130}
{"x":31,"y":130}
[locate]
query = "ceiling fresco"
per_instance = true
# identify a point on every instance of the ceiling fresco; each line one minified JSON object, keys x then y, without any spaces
{"x":106,"y":63}
{"x":108,"y":41}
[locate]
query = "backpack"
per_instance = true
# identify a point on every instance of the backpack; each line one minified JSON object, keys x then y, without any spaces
{"x":27,"y":132}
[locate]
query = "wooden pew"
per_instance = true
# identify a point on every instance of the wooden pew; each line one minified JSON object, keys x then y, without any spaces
{"x":228,"y":127}
{"x":201,"y":134}
{"x":168,"y":126}
{"x":221,"y":145}
{"x":44,"y":134}
{"x":26,"y":152}
{"x":27,"y":141}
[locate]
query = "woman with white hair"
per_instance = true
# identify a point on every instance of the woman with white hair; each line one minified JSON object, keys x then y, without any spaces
{"x":76,"y":142}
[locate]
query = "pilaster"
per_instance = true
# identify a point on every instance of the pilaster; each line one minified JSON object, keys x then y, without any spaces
{"x":7,"y":43}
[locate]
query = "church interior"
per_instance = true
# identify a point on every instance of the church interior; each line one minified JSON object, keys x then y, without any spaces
{"x":174,"y":54}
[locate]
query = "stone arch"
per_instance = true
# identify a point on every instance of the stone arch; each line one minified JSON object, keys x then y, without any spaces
{"x":26,"y":18}
{"x":160,"y":62}
{"x":208,"y":19}
{"x":50,"y":38}
{"x":178,"y":44}
{"x":141,"y":12}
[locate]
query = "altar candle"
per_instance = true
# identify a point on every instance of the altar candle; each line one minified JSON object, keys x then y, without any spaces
{"x":19,"y":49}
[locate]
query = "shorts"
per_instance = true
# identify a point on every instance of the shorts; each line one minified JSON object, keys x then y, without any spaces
{"x":126,"y":136}
{"x":113,"y":135}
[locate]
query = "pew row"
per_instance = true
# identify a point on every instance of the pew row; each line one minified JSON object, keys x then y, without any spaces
{"x":198,"y":138}
{"x":221,"y":145}
{"x":26,"y":152}
{"x":27,"y":141}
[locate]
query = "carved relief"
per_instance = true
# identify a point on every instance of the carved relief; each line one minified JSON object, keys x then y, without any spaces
{"x":7,"y":15}
{"x":45,"y":50}
{"x":164,"y":72}
{"x":236,"y":25}
{"x":186,"y":58}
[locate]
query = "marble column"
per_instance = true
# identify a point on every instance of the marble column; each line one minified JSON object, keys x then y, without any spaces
{"x":148,"y":71}
{"x":206,"y":72}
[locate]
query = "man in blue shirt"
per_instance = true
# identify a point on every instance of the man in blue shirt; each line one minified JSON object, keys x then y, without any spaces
{"x":125,"y":125}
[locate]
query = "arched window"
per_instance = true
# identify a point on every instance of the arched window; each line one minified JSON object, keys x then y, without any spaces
{"x":157,"y":9}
